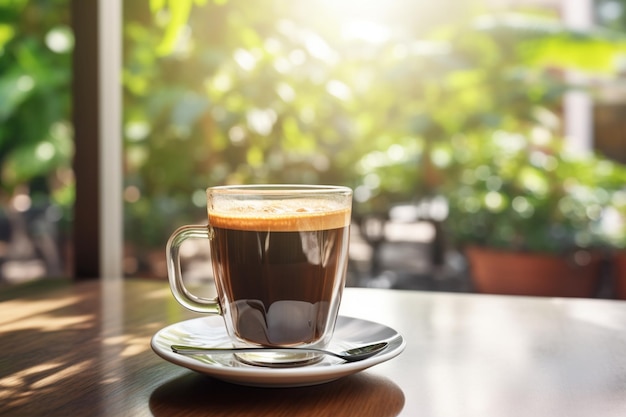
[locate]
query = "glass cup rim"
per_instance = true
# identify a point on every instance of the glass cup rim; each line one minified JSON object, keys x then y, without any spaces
{"x":279,"y":189}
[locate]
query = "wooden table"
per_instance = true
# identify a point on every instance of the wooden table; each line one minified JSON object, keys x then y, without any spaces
{"x":83,"y":350}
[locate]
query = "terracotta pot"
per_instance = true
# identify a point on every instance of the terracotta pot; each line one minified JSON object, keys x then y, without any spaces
{"x":521,"y":273}
{"x":619,"y":263}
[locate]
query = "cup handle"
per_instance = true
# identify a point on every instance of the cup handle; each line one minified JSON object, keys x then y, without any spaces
{"x":181,"y":293}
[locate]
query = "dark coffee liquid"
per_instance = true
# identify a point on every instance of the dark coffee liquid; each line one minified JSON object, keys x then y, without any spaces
{"x":279,"y":284}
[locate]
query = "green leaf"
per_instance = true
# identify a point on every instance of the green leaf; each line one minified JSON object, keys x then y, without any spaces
{"x":14,"y":89}
{"x":6,"y":34}
{"x":255,"y":156}
{"x":593,"y":55}
{"x":157,"y":5}
{"x":179,"y":13}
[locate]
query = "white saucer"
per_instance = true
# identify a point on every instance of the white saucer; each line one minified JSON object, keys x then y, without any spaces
{"x":210,"y":331}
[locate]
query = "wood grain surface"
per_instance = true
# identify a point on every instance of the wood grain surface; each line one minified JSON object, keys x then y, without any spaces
{"x":82,"y":349}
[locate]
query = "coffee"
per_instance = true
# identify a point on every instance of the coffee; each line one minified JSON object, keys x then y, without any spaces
{"x":279,"y":256}
{"x":278,"y":270}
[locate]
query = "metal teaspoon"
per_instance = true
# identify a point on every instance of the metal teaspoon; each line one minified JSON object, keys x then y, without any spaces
{"x":350,"y":355}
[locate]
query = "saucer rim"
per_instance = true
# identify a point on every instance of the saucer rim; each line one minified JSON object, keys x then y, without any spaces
{"x":280,"y":377}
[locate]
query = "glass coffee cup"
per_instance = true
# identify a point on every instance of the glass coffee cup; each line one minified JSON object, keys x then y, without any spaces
{"x":279,"y":255}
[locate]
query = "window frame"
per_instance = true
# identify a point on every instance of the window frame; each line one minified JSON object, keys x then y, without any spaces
{"x":97,"y":115}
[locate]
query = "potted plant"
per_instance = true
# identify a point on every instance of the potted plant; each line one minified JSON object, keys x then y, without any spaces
{"x":528,"y":213}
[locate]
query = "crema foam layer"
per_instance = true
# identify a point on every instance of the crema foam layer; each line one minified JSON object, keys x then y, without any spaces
{"x":280,"y":216}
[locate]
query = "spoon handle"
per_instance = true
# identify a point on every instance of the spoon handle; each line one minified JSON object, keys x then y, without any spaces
{"x":350,"y":355}
{"x":193,"y":350}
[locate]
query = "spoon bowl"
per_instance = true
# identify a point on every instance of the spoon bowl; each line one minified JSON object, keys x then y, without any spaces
{"x":349,"y":355}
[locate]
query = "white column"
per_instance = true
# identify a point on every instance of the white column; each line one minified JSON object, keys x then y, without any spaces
{"x":578,"y":105}
{"x":111,"y":173}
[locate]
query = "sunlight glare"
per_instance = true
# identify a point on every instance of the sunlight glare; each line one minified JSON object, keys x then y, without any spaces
{"x":137,"y":130}
{"x":396,"y":152}
{"x":261,"y":121}
{"x":367,"y":31}
{"x":297,"y":57}
{"x":60,"y":39}
{"x":285,"y":92}
{"x":318,"y":48}
{"x":245,"y":59}
{"x":338,"y":89}
{"x":362,"y":193}
{"x":25,"y":83}
{"x":45,"y":151}
{"x":221,"y":82}
{"x":363,"y":19}
{"x":360,"y":9}
{"x":237,"y":135}
{"x":21,"y":202}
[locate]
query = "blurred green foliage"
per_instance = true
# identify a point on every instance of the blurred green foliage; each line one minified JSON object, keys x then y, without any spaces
{"x":231,"y":91}
{"x":379,"y":96}
{"x":525,"y":191}
{"x":35,"y":74}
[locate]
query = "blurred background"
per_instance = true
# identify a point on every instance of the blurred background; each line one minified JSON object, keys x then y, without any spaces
{"x":488,"y":123}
